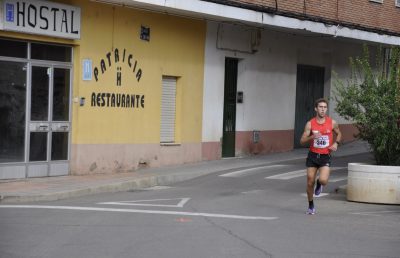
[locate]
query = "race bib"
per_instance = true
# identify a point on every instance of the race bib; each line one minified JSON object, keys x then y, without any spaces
{"x":321,"y":142}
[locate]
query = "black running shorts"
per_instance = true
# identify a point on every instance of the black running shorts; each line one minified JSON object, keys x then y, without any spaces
{"x":318,"y":160}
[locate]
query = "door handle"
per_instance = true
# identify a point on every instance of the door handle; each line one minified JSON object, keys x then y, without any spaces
{"x":43,"y":127}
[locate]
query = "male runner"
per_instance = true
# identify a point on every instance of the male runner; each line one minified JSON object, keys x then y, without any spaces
{"x":318,"y":131}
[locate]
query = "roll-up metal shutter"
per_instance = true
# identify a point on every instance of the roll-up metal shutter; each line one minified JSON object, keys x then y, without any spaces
{"x":168,"y":106}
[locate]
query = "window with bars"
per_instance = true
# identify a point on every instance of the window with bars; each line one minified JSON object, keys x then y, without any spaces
{"x":168,"y":110}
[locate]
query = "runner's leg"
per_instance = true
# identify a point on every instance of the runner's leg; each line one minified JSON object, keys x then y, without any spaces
{"x":324,"y":175}
{"x":311,"y":174}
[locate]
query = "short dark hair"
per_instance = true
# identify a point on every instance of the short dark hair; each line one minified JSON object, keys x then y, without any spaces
{"x":320,"y":100}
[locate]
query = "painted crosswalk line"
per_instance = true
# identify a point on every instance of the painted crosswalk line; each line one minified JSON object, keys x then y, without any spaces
{"x":288,"y":175}
{"x":249,"y":171}
{"x":152,"y":203}
{"x":157,"y":212}
{"x":337,"y":179}
{"x":296,"y":173}
{"x":320,"y":195}
{"x":157,"y":187}
{"x":375,"y":213}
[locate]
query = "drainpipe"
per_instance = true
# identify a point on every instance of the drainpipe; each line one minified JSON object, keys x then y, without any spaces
{"x":337,"y":10}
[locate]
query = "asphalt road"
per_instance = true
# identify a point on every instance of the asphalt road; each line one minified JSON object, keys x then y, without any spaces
{"x":253,"y":212}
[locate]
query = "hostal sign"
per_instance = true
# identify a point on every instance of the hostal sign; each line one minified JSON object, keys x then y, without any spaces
{"x":41,"y":17}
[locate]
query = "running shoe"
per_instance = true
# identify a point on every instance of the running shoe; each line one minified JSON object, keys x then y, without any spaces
{"x":318,"y":189}
{"x":310,"y":211}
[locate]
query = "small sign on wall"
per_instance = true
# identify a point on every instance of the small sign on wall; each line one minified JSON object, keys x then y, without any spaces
{"x":87,"y":69}
{"x":145,"y":33}
{"x":9,"y":12}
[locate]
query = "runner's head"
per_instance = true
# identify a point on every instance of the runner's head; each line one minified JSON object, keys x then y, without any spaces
{"x":321,"y":107}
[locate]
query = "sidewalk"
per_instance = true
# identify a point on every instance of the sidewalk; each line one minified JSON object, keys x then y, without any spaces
{"x":55,"y":188}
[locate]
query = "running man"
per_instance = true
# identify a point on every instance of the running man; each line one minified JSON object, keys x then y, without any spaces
{"x":319,"y":133}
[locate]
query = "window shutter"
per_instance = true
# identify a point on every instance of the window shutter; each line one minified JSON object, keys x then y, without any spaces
{"x":168,"y":106}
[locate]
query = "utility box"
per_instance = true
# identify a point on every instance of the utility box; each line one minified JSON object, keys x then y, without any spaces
{"x":239,"y":98}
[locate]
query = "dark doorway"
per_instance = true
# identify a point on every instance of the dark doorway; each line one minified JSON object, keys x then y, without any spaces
{"x":229,"y":123}
{"x":309,"y":87}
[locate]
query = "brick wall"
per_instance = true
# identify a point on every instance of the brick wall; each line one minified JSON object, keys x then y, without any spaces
{"x":362,"y":14}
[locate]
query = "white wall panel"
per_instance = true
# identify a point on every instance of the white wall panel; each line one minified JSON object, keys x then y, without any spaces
{"x":268,"y":80}
{"x":213,"y":96}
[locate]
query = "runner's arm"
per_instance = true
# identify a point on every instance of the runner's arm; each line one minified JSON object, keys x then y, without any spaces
{"x":306,"y":136}
{"x":336,"y":129}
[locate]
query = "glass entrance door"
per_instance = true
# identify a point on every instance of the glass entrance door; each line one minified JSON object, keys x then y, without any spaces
{"x":13,"y":87}
{"x":49,"y":123}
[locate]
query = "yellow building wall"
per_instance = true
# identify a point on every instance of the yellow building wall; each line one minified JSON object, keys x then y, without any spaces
{"x":176,"y":48}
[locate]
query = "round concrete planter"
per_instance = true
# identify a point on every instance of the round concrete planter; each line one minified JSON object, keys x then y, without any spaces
{"x":373,"y":184}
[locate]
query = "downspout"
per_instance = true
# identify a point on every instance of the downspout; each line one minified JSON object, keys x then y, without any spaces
{"x":337,"y":10}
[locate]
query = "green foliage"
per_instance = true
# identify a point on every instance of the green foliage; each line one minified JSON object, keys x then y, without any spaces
{"x":371,"y":99}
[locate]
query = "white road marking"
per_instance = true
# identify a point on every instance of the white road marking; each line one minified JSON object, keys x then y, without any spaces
{"x":374,"y":213}
{"x":157,"y":187}
{"x":288,"y":175}
{"x":253,"y":192}
{"x":320,"y":195}
{"x":180,"y":204}
{"x":337,"y":179}
{"x":198,"y":214}
{"x":294,"y":174}
{"x":245,"y":172}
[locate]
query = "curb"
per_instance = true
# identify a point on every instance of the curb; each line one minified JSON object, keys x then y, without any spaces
{"x":134,"y":184}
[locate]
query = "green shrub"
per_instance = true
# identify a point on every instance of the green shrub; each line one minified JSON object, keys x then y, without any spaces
{"x":371,"y":99}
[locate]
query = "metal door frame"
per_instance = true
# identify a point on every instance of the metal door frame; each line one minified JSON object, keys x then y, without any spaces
{"x":13,"y":170}
{"x":47,"y":167}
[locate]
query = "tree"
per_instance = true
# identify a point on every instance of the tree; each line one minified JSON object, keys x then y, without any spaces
{"x":371,"y":99}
